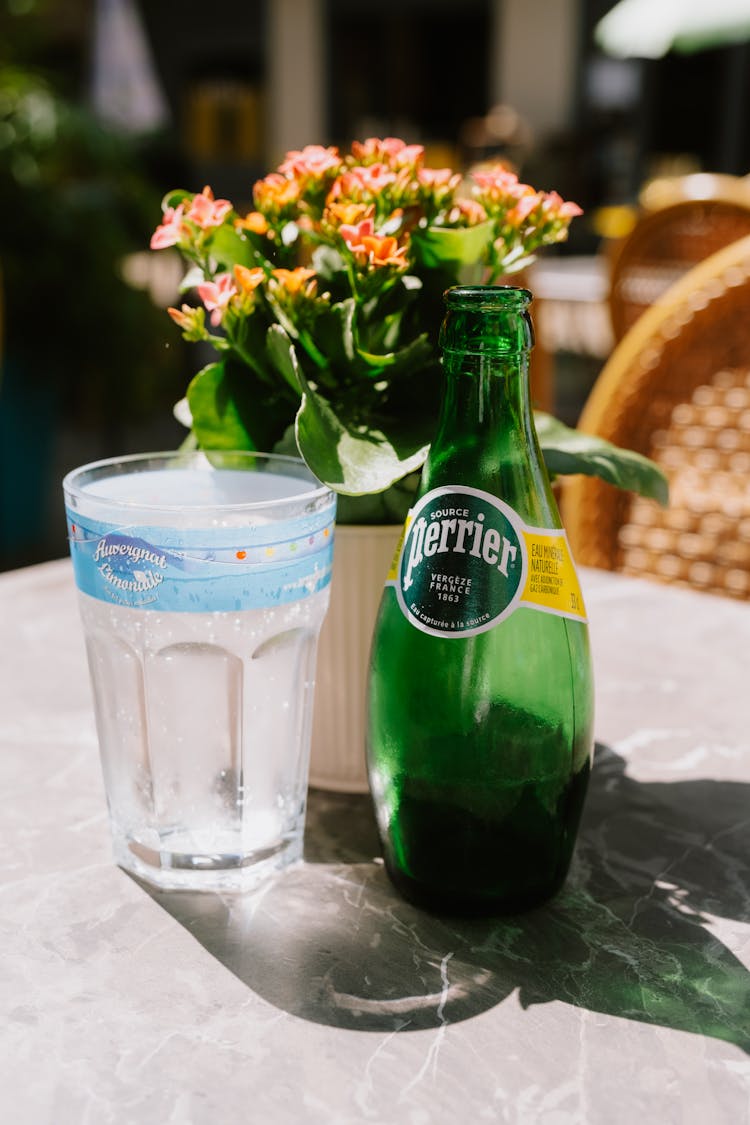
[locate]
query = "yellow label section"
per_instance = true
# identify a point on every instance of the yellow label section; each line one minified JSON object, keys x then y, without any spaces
{"x":551,"y":580}
{"x":393,"y":572}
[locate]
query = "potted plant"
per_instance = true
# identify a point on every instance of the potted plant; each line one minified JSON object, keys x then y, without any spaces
{"x":322,"y":307}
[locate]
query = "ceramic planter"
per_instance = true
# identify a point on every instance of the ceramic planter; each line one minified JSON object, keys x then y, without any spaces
{"x":362,"y":556}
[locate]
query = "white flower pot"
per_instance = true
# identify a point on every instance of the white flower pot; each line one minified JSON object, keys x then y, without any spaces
{"x":362,"y":557}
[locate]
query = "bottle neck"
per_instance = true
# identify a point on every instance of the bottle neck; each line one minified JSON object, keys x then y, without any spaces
{"x":485,"y":411}
{"x":485,"y":340}
{"x":485,"y":436}
{"x":486,"y":391}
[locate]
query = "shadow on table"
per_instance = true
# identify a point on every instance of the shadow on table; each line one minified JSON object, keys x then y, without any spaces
{"x":329,"y":941}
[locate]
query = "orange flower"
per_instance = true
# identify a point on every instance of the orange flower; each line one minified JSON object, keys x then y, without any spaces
{"x":248,"y":280}
{"x":371,"y":248}
{"x":348,"y":214}
{"x":274,"y":193}
{"x":298,"y":282}
{"x":354,"y":233}
{"x":184,"y":317}
{"x":384,"y":251}
{"x":191,"y":320}
{"x":254,"y":222}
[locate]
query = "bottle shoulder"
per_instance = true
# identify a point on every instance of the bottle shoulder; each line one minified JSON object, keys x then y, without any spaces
{"x":519,"y":482}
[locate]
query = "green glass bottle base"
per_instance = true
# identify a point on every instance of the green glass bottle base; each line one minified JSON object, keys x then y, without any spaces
{"x":446,"y":858}
{"x":438,"y":900}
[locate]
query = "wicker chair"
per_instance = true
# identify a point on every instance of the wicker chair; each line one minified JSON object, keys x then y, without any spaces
{"x":677,"y":388}
{"x":665,"y":243}
{"x":666,"y":190}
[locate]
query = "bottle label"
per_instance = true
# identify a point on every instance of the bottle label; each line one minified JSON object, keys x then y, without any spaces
{"x":467,"y":561}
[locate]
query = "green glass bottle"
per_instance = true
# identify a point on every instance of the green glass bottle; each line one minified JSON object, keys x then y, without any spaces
{"x":480,"y":700}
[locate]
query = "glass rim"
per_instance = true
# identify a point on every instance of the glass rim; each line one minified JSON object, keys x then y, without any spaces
{"x":194,"y":458}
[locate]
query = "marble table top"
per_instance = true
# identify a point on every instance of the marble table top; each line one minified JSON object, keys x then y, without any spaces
{"x":325,"y":999}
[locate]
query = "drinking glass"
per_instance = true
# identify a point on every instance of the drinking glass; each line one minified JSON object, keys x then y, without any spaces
{"x":203,"y":581}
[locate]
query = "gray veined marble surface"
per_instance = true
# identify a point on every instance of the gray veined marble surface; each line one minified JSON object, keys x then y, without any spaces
{"x":327,"y":999}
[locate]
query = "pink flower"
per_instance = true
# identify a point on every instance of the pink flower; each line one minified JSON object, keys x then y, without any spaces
{"x":171,"y":229}
{"x":407,"y":156}
{"x":560,"y":209}
{"x":466,"y":213}
{"x":361,"y":181}
{"x":524,"y":208}
{"x":372,"y":249}
{"x":438,"y":178}
{"x":391,"y":151}
{"x":217,"y":294}
{"x":353,"y":235}
{"x":375,"y":177}
{"x":499,"y":181}
{"x":312,"y":161}
{"x":206,"y":212}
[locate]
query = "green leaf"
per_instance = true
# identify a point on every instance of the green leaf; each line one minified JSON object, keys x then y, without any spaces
{"x":229,"y":248}
{"x":462,"y":245}
{"x":334,"y":332}
{"x":410,"y":359}
{"x":391,"y":506}
{"x":283,"y":356}
{"x":249,"y":340}
{"x":217,"y":422}
{"x":336,"y":336}
{"x":318,"y":434}
{"x":231,"y":409}
{"x":349,"y":460}
{"x":175,"y":198}
{"x":569,"y":451}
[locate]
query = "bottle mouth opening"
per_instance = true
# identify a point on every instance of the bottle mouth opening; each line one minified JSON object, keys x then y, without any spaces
{"x":488,"y":297}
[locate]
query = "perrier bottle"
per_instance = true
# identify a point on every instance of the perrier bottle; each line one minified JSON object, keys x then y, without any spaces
{"x":480,"y":691}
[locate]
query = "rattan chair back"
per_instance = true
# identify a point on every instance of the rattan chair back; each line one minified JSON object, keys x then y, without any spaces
{"x":663,"y":191}
{"x":663,"y":245}
{"x":677,"y":388}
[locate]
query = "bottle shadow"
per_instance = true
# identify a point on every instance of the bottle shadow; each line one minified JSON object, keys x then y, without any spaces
{"x":330,"y":941}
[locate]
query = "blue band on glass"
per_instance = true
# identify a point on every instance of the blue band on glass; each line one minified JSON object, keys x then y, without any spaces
{"x":174,"y":569}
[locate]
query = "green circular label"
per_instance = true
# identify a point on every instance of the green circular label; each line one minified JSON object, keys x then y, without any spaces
{"x":463,"y":562}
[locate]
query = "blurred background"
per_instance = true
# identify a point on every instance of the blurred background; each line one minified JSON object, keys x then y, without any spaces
{"x":107,"y":104}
